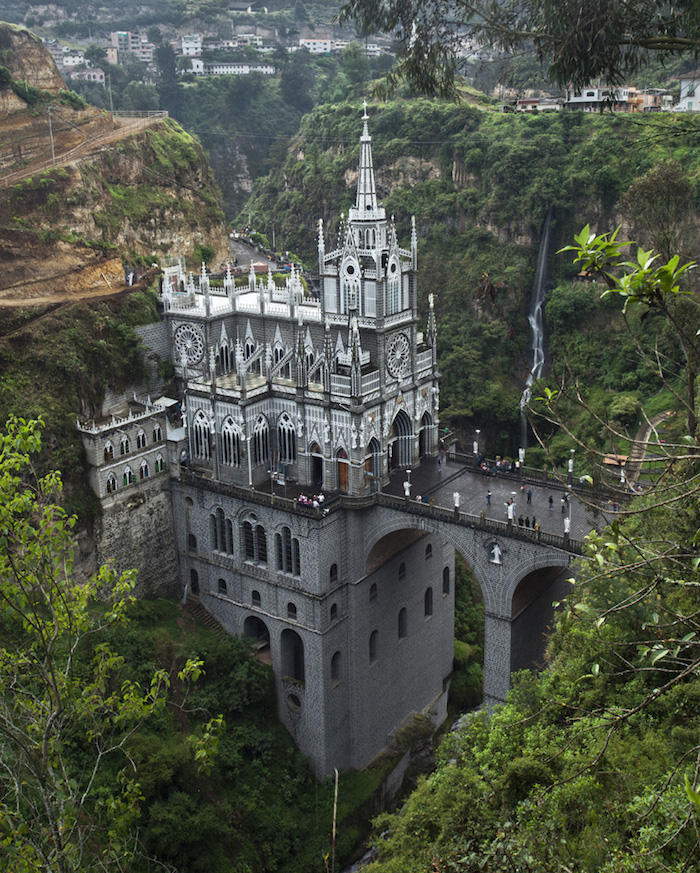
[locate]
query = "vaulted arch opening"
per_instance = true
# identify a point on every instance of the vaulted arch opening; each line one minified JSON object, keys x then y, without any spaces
{"x":255,"y":629}
{"x":533,"y":615}
{"x":400,"y":440}
{"x":343,"y":471}
{"x":424,"y":441}
{"x":292,"y":656}
{"x":316,"y":472}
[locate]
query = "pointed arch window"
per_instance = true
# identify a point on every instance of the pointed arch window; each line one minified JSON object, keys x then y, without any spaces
{"x":201,"y":435}
{"x":140,"y":440}
{"x":393,"y":288}
{"x":335,"y":670}
{"x":372,"y":459}
{"x":287,"y":439}
{"x":111,"y":483}
{"x":143,"y":470}
{"x":128,"y":476}
{"x":373,"y":646}
{"x":230,"y":443}
{"x":160,"y":463}
{"x":225,"y":358}
{"x":124,"y":445}
{"x":157,"y":434}
{"x":287,"y":552}
{"x":428,"y":602}
{"x":261,"y":441}
{"x":254,"y":542}
{"x":402,"y":442}
{"x":403,"y":623}
{"x":109,"y":451}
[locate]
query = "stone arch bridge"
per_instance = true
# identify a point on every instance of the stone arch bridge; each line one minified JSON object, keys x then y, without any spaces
{"x":512,"y":564}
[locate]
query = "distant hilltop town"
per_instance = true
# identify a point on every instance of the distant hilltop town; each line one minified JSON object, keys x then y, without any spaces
{"x":126,"y":45}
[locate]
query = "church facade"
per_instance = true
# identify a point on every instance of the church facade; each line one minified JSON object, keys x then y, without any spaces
{"x":325,"y":393}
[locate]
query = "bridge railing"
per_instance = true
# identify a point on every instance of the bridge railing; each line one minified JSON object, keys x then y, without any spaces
{"x":409,"y":507}
{"x":538,"y":477}
{"x":476,"y":522}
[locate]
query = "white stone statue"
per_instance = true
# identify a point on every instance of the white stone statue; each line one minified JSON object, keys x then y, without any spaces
{"x":326,"y":431}
{"x":353,"y":435}
{"x":496,"y":553}
{"x":300,"y":425}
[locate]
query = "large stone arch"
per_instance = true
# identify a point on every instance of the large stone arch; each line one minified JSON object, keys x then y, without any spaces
{"x":518,"y":558}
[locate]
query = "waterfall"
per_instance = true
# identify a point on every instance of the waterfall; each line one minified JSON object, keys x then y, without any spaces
{"x":535,"y":318}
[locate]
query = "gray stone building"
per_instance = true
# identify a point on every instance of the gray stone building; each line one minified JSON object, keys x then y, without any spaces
{"x":325,"y":393}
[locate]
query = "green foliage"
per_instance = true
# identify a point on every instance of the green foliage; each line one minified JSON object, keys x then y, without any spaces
{"x":479,"y":184}
{"x":60,"y":363}
{"x":64,"y":721}
{"x":31,"y":95}
{"x":70,"y":98}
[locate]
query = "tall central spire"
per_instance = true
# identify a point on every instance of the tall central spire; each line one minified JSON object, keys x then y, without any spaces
{"x":366,"y":201}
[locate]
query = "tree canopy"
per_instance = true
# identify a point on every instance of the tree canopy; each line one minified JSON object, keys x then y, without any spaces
{"x":576,"y":42}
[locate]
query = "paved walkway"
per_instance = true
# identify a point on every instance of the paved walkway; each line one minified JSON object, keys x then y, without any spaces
{"x":430,"y":481}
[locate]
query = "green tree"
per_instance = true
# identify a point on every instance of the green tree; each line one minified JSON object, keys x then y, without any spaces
{"x":297,"y":81}
{"x":355,"y":64}
{"x":169,"y":89}
{"x":577,"y":43}
{"x":67,"y":794}
{"x":96,"y":55}
{"x":154,"y":35}
{"x":655,"y":288}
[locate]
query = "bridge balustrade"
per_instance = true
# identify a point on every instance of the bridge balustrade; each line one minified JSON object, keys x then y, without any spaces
{"x":411,"y":507}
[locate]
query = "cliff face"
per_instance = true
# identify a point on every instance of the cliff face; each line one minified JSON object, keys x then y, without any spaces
{"x":25,"y":57}
{"x":149,"y":195}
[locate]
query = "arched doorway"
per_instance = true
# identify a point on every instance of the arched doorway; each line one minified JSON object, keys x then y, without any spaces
{"x":424,"y":441}
{"x":292,"y":656}
{"x":343,"y":471}
{"x":401,"y":440}
{"x":254,"y":628}
{"x":316,"y":472}
{"x":533,"y":614}
{"x":373,"y":461}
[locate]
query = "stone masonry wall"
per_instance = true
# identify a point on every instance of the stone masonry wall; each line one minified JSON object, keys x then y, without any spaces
{"x":137,"y":530}
{"x":157,"y":349}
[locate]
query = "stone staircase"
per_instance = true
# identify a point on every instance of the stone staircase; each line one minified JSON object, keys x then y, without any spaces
{"x":195,"y":609}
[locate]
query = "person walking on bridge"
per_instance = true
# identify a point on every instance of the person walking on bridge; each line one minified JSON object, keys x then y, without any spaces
{"x":488,"y":497}
{"x":551,"y":502}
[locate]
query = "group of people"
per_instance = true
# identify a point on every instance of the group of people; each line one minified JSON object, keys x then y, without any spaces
{"x":315,"y":500}
{"x":534,"y":524}
{"x":500,"y":465}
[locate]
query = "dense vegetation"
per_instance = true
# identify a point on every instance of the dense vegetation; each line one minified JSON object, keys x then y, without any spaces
{"x":480,"y":184}
{"x":585,"y":767}
{"x":131,"y":736}
{"x":58,"y":364}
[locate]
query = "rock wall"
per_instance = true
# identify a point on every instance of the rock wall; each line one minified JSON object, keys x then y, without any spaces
{"x":25,"y":57}
{"x":137,"y":531}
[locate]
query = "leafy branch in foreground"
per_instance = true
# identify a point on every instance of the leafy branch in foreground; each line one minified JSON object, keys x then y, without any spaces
{"x":577,"y":43}
{"x":68,"y":796}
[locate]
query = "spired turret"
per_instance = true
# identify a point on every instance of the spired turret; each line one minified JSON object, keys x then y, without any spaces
{"x":368,"y":274}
